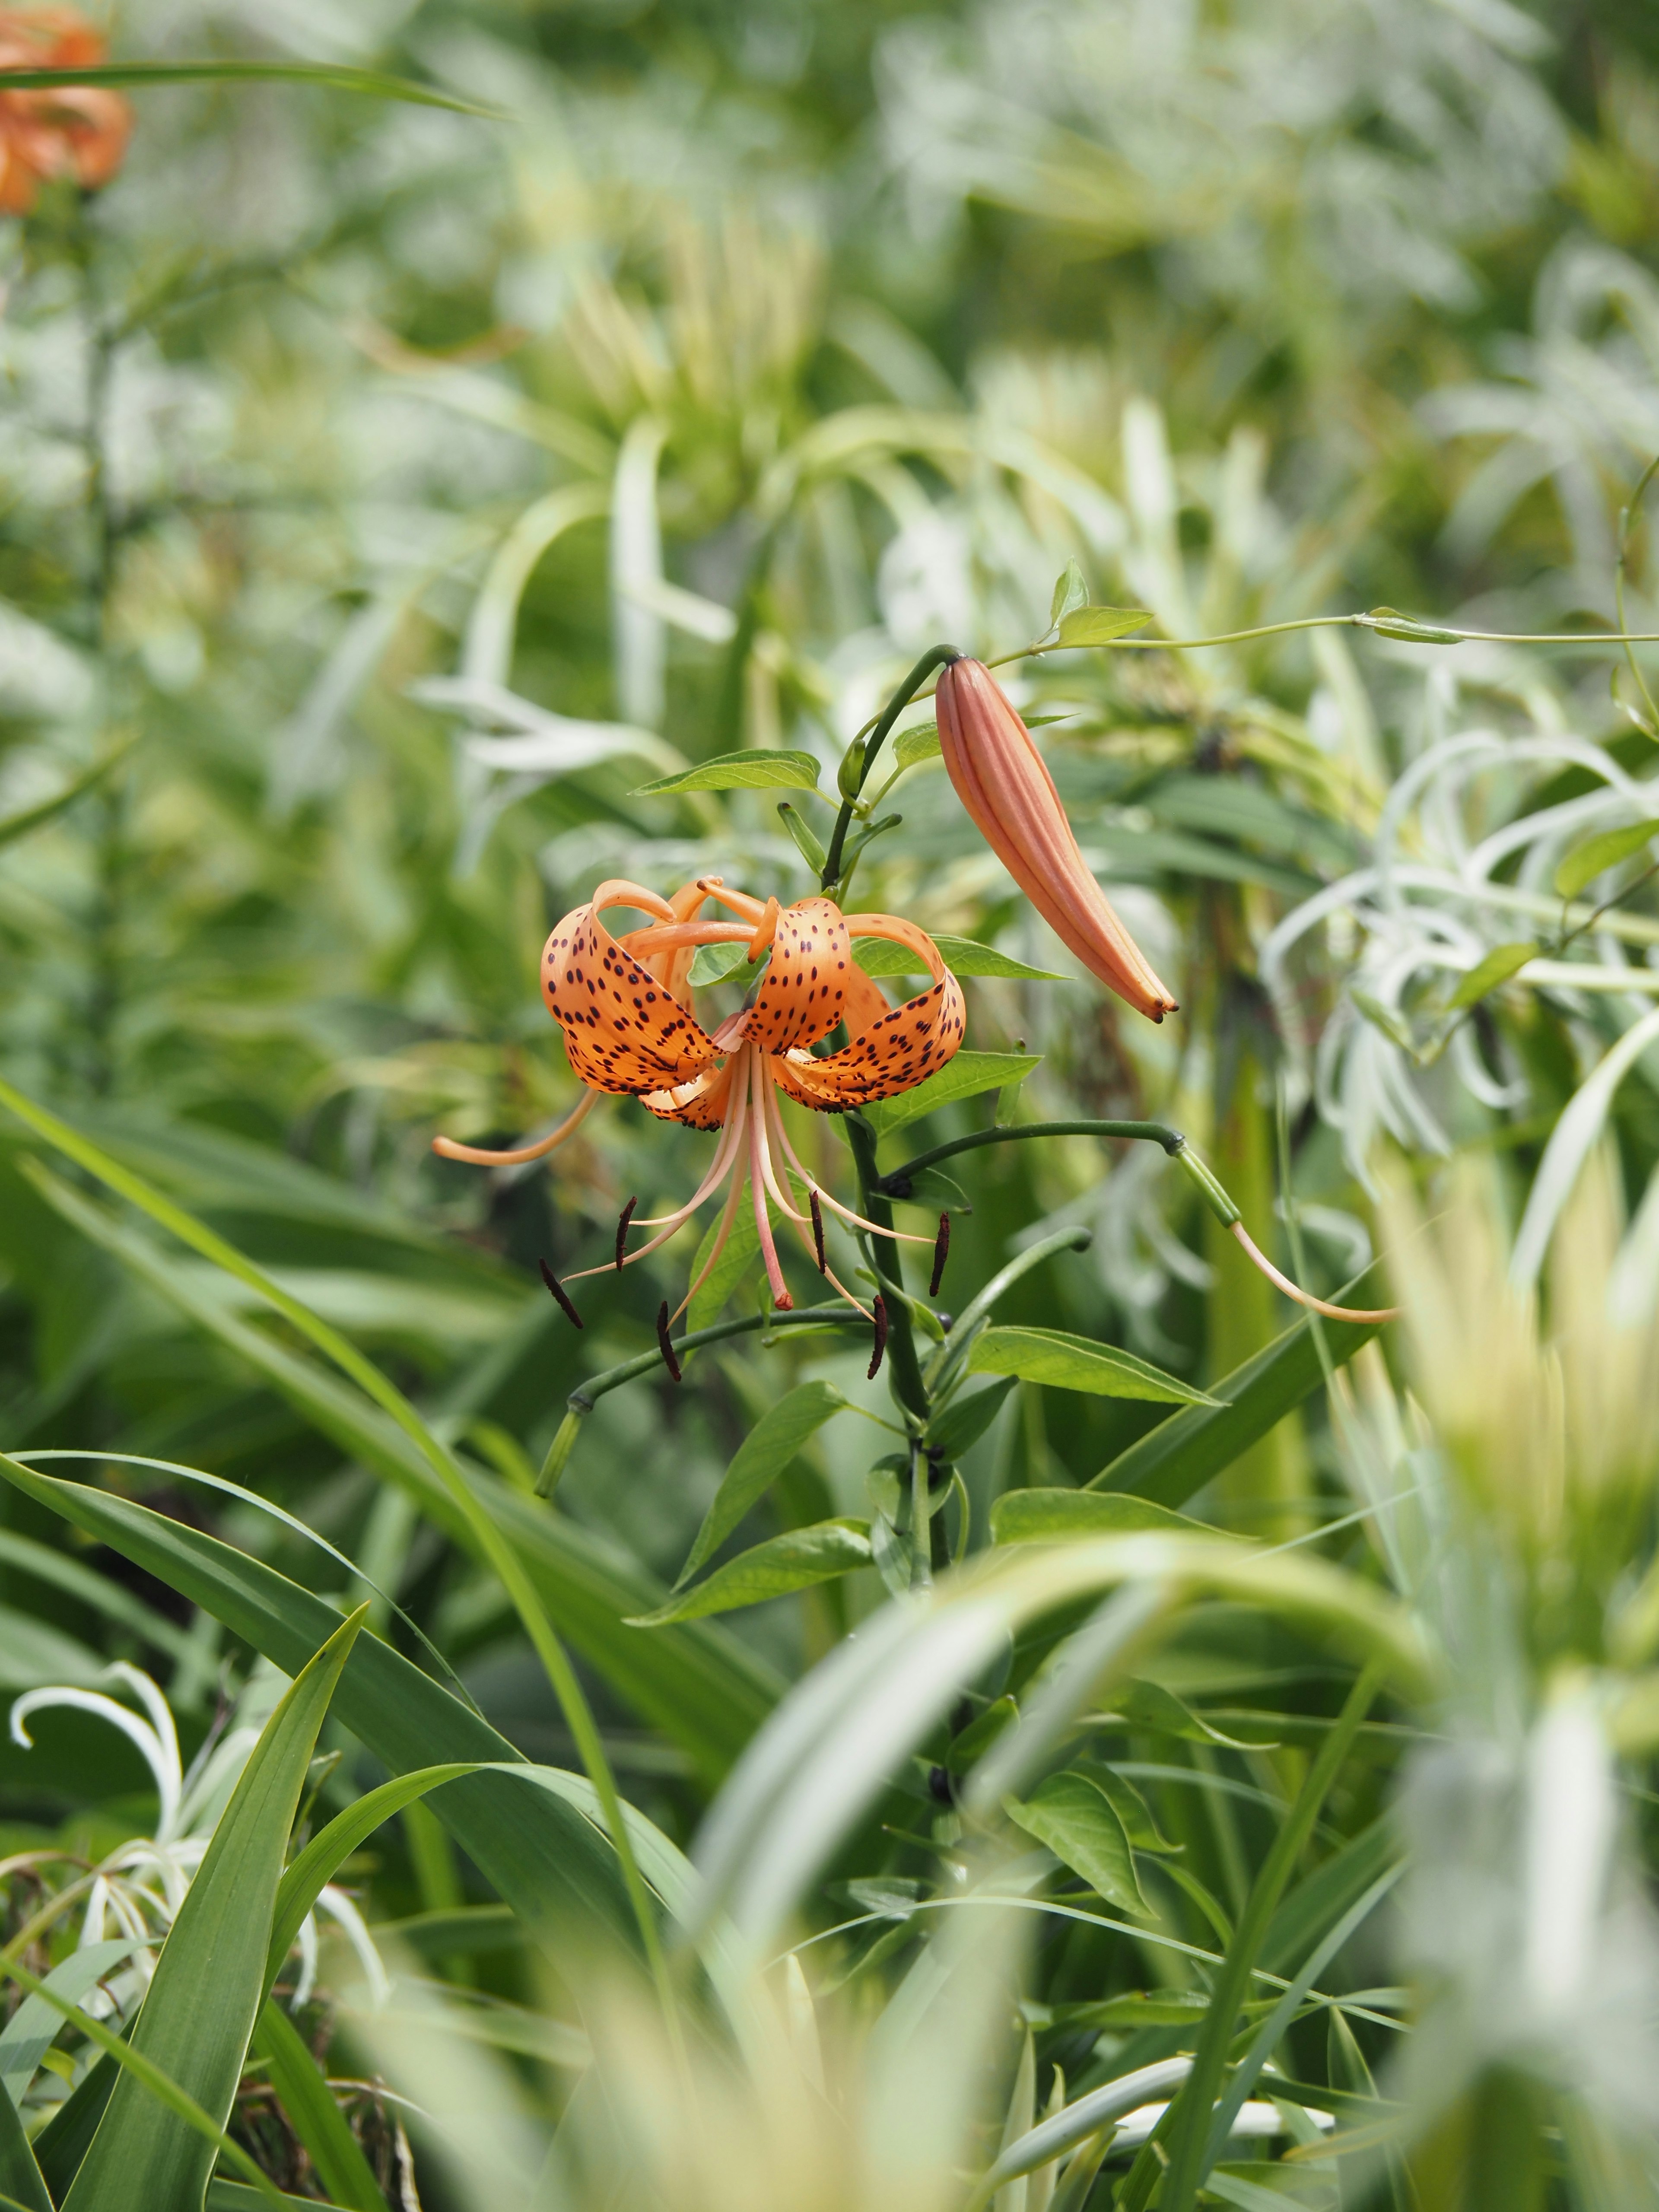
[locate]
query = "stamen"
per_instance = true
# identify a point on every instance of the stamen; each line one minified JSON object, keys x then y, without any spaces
{"x":739,"y":1179}
{"x":730,"y":1138}
{"x":780,"y":1136}
{"x":1305,"y":1297}
{"x":817,"y":1230}
{"x":664,"y":1345}
{"x":760,"y":1173}
{"x":941,"y":1254}
{"x":448,"y":1149}
{"x":880,"y":1318}
{"x":561,"y":1294}
{"x":622,"y":1229}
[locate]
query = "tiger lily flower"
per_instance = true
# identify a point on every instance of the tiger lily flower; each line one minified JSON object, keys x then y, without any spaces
{"x":625,"y":1006}
{"x":1004,"y":782}
{"x":68,"y":130}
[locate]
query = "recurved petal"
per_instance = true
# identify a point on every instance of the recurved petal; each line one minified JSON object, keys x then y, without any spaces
{"x":802,"y":993}
{"x":901,"y":1048}
{"x":623,"y":1030}
{"x":702,"y":1104}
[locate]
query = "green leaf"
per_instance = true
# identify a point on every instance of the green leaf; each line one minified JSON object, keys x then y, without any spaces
{"x":1047,"y":1517}
{"x":713,"y":964}
{"x":970,"y":1746}
{"x":136,"y":77}
{"x":965,"y":1077}
{"x":756,"y":768}
{"x":806,"y":841}
{"x":224,"y":2195}
{"x":1389,"y":621}
{"x":1587,"y":861}
{"x":1072,"y":1816}
{"x":1100,"y":625}
{"x":877,"y":956}
{"x":323,"y":1857}
{"x":1150,"y":1705}
{"x":957,"y":1426}
{"x":742,"y":1251}
{"x":1498,"y":966}
{"x":199,"y":2011}
{"x":917,"y":744}
{"x":1064,"y":1362}
{"x":1071,"y":592}
{"x":318,"y":2120}
{"x":790,"y":1562}
{"x":1133,"y":1810}
{"x":760,"y":1459}
{"x":20,"y":2176}
{"x":34,"y":2027}
{"x":1185,"y":1452}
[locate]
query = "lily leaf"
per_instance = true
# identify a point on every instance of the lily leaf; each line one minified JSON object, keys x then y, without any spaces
{"x":961,"y":955}
{"x":756,"y":768}
{"x":1064,"y":1362}
{"x":1046,"y":1517}
{"x":965,"y":1077}
{"x":1499,"y":964}
{"x":1071,"y":593}
{"x":1587,"y":861}
{"x":1073,"y":1817}
{"x":790,"y":1562}
{"x":760,"y":1458}
{"x":1100,"y":625}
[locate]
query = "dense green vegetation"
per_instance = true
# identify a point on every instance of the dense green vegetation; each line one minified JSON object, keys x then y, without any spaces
{"x":1146,"y":1746}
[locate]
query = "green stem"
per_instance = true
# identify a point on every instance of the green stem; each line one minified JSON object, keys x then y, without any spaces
{"x":1403,"y":627}
{"x":586,"y":1396}
{"x":1189,"y":2145}
{"x":1625,"y":519}
{"x":909,"y":1388}
{"x":937,"y":656}
{"x":900,"y":1182}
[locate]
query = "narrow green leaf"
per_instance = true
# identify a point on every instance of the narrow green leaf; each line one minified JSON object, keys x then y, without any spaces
{"x":136,"y":76}
{"x":1183,"y":1452}
{"x":915,"y":745}
{"x":89,"y":1587}
{"x":1048,"y":1516}
{"x":1498,"y":966}
{"x":1072,"y":1816}
{"x":317,"y":1863}
{"x":1064,"y":1362}
{"x":21,"y":2181}
{"x":790,"y":1562}
{"x":1100,"y":625}
{"x":958,"y":1425}
{"x":1133,"y":1810}
{"x":33,"y":2027}
{"x":877,"y":956}
{"x":756,"y":768}
{"x":965,"y":1077}
{"x":318,"y":2120}
{"x":805,"y":837}
{"x":1150,"y":1705}
{"x":199,"y":2011}
{"x":1071,"y":592}
{"x":760,"y":1459}
{"x":62,"y":2143}
{"x":224,"y":2195}
{"x":1587,"y":861}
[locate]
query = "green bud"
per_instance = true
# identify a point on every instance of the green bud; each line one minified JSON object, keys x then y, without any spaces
{"x":851,"y":777}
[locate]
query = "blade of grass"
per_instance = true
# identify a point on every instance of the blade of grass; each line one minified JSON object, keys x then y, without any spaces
{"x":318,"y":2120}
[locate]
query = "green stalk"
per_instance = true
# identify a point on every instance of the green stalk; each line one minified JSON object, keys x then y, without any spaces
{"x":1191,"y":2151}
{"x":909,"y":1388}
{"x":937,"y":656}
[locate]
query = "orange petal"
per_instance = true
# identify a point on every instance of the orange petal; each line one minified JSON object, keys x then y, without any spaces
{"x":902,"y":1047}
{"x":1004,"y":782}
{"x":700,"y":1104}
{"x":802,"y":993}
{"x":864,"y":1003}
{"x":623,"y":1029}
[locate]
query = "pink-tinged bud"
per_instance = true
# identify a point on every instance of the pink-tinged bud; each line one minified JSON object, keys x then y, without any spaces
{"x":1001,"y":779}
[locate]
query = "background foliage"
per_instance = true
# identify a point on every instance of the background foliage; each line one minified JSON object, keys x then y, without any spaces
{"x":389,"y":493}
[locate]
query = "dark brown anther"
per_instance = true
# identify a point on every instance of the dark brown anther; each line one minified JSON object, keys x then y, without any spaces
{"x":622,"y":1229}
{"x":664,"y":1344}
{"x":941,"y":1254}
{"x":561,"y":1294}
{"x":817,"y":1228}
{"x":879,"y":1312}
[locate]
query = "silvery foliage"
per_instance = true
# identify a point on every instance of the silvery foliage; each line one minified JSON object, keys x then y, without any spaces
{"x":1142,"y":123}
{"x":1430,"y":903}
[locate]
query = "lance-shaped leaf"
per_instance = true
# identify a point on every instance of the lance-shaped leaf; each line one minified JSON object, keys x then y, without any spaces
{"x":757,"y":767}
{"x":760,"y":1458}
{"x":1073,"y":1817}
{"x":199,"y":2011}
{"x":1100,"y":625}
{"x":966,"y":1077}
{"x":1499,"y":964}
{"x":318,"y":2120}
{"x":878,"y":955}
{"x":1064,"y":1362}
{"x":790,"y":1562}
{"x":1597,"y":854}
{"x":1050,"y":1516}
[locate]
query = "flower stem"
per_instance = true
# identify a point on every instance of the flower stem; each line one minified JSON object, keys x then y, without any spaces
{"x":909,"y":1388}
{"x":935,"y":657}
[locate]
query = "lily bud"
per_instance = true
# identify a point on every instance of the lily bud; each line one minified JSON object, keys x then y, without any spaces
{"x":1003,"y":781}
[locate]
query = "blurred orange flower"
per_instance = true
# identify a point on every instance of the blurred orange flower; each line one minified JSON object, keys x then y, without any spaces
{"x":68,"y":130}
